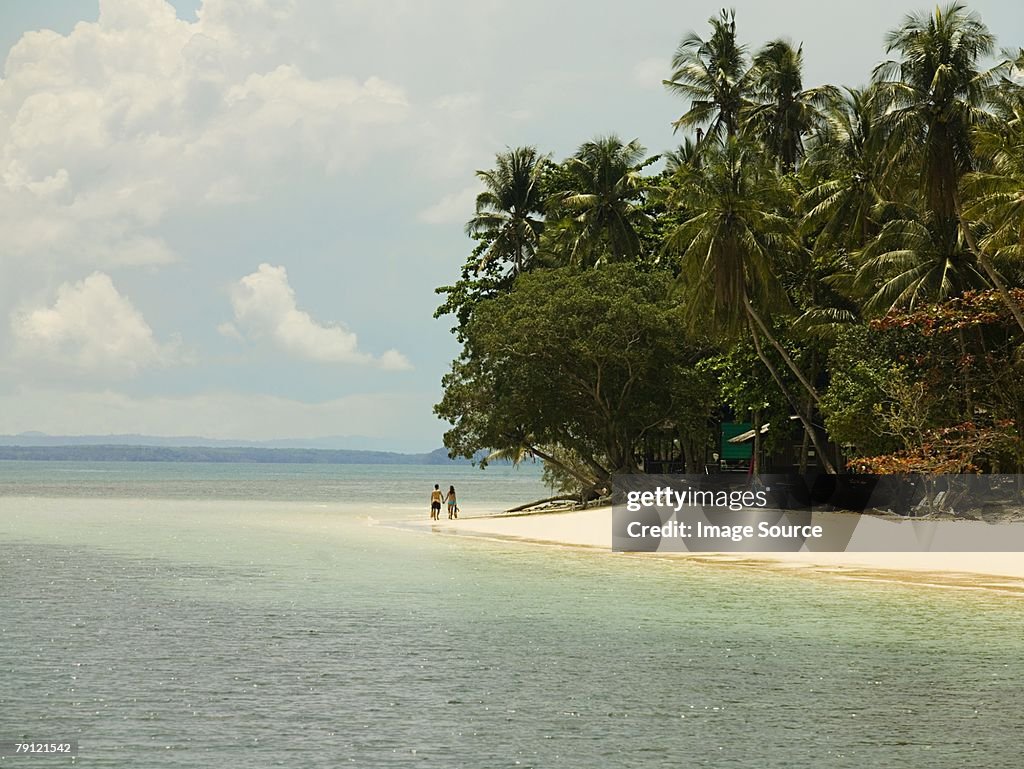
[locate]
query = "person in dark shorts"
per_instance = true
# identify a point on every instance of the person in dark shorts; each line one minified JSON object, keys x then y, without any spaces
{"x":435,"y":503}
{"x":453,"y":509}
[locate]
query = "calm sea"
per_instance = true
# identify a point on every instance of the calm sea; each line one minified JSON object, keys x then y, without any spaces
{"x":202,"y":615}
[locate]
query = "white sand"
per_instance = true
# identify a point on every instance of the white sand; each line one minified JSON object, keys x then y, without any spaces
{"x":592,"y":528}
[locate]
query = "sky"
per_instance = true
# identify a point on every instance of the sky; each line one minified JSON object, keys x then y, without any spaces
{"x":227,"y":218}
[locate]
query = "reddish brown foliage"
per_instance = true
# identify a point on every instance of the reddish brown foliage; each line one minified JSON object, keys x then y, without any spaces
{"x":956,"y":449}
{"x":974,"y":308}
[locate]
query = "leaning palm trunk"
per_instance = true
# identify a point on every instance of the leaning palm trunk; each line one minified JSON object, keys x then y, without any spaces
{"x":988,"y":267}
{"x":804,"y":420}
{"x":752,"y":313}
{"x":1001,"y":288}
{"x":805,"y":442}
{"x":600,"y":475}
{"x":516,"y":453}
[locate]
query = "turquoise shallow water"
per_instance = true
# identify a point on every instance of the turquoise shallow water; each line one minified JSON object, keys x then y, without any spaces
{"x":384,"y":487}
{"x":292,"y":630}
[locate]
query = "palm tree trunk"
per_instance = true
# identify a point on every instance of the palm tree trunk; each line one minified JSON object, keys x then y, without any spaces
{"x":805,"y":421}
{"x":752,"y":313}
{"x":755,"y":460}
{"x":987,"y":266}
{"x":997,"y":281}
{"x":584,"y":480}
{"x":804,"y":444}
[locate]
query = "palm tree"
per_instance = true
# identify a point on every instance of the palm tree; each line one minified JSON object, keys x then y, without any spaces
{"x":913,"y":262}
{"x":522,"y":446}
{"x":783,"y":112}
{"x":933,"y":95}
{"x":683,"y":155}
{"x":846,"y":167}
{"x":599,"y":209}
{"x":730,"y":244}
{"x":936,"y":94}
{"x":712,"y":76}
{"x":510,"y":211}
{"x":995,"y":194}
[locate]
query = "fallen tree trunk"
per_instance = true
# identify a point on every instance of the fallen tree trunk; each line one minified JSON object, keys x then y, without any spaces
{"x":559,"y":498}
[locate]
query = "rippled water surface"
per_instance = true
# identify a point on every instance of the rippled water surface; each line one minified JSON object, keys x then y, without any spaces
{"x":289,"y":628}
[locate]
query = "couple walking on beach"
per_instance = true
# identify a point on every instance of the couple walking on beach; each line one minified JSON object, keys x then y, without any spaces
{"x":435,"y":503}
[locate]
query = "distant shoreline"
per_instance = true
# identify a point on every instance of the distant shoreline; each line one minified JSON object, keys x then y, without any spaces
{"x":221,"y":454}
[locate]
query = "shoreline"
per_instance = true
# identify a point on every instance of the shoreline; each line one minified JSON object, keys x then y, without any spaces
{"x":591,"y":530}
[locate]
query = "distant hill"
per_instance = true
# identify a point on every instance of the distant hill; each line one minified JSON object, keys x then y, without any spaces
{"x":339,"y":442}
{"x":334,"y":450}
{"x":124,"y":453}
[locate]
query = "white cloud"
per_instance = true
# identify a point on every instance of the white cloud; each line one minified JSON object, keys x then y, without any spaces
{"x":456,"y":207}
{"x":393,"y":360}
{"x":265,"y":309}
{"x":106,"y":130}
{"x":91,"y":328}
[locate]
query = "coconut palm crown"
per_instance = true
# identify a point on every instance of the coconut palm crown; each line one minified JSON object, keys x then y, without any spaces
{"x":510,"y":211}
{"x":712,"y":75}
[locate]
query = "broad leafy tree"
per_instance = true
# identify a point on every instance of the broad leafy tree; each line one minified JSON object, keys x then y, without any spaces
{"x":580,"y":363}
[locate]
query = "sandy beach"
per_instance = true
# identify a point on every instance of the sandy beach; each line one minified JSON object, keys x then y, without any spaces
{"x":592,"y":529}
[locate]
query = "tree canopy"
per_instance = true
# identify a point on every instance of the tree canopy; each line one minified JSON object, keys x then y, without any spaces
{"x":578,"y":362}
{"x":847,"y":257}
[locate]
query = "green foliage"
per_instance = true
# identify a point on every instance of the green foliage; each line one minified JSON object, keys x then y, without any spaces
{"x":845,"y":191}
{"x":933,"y":95}
{"x":993,"y":193}
{"x":562,"y":474}
{"x":596,"y":204}
{"x":914,"y":261}
{"x":509,"y":216}
{"x":746,"y":389}
{"x":851,"y":257}
{"x":584,"y":362}
{"x":507,"y":229}
{"x":862,"y":372}
{"x":712,"y":75}
{"x":734,"y":236}
{"x":782,"y":111}
{"x":899,"y":383}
